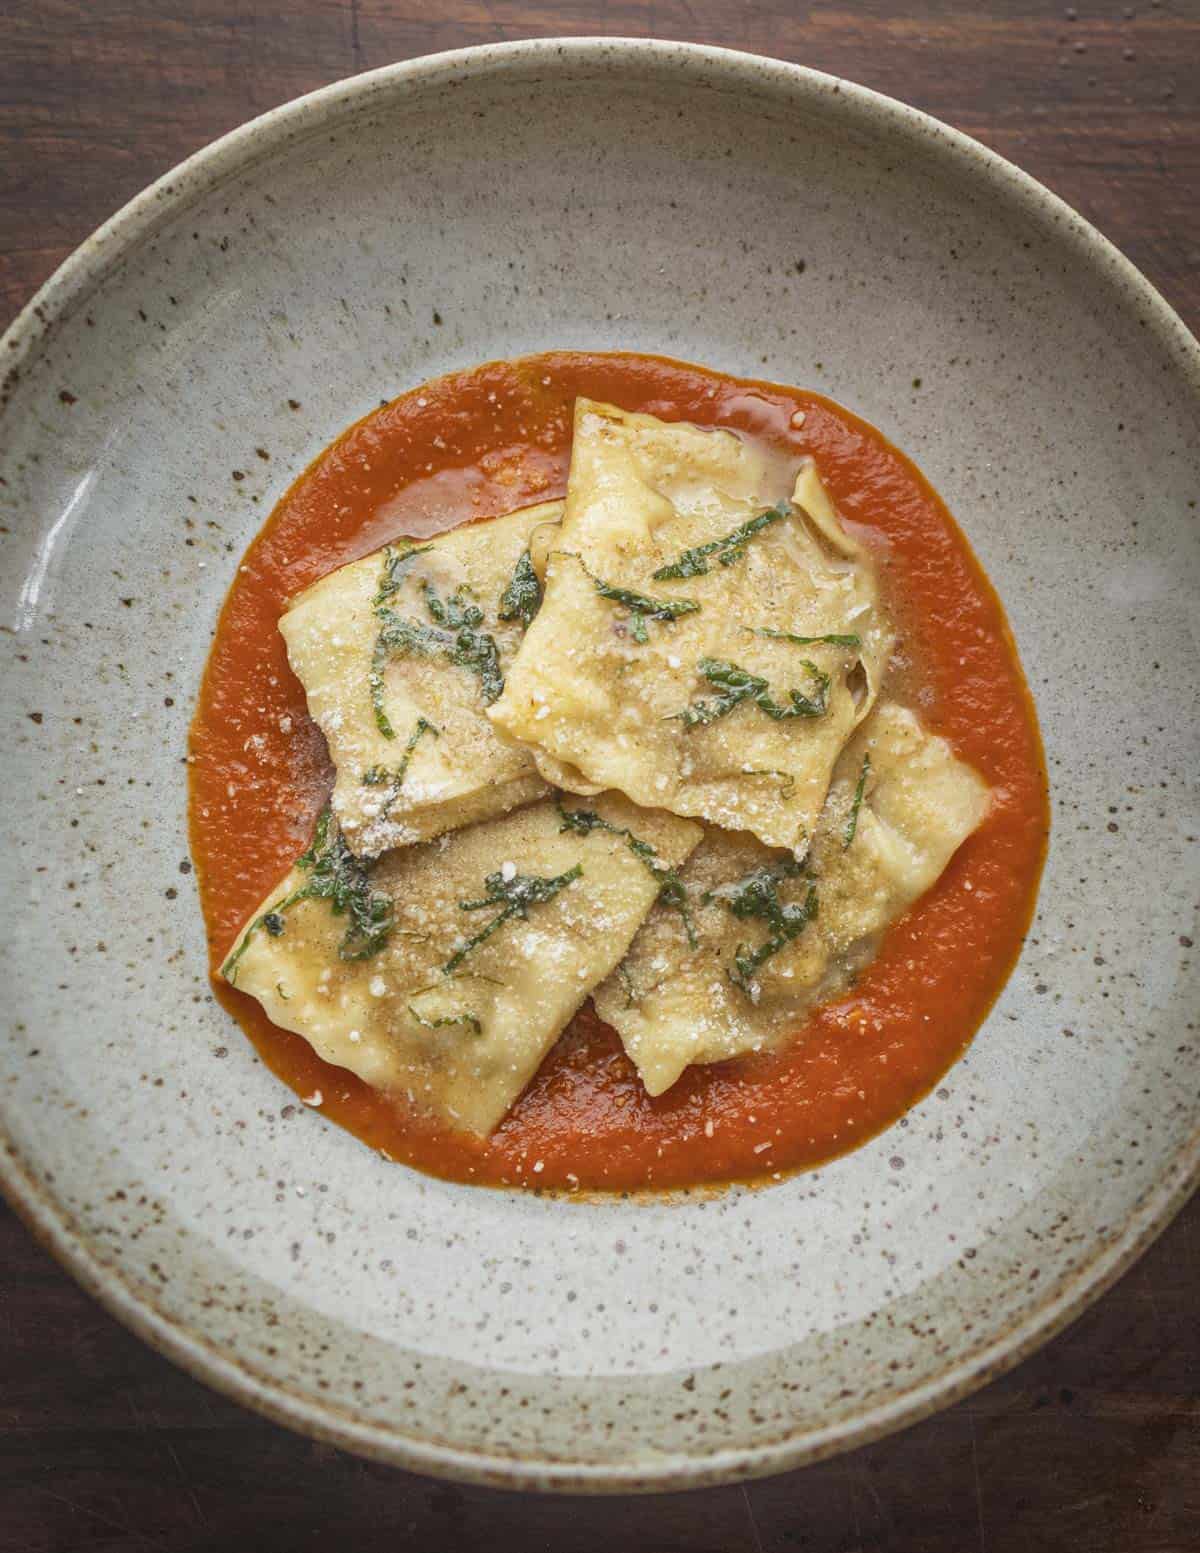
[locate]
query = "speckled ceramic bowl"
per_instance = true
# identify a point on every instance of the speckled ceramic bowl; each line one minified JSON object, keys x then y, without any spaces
{"x":739,"y":212}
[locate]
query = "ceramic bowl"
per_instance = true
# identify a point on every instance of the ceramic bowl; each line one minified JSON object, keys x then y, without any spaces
{"x":765,"y":220}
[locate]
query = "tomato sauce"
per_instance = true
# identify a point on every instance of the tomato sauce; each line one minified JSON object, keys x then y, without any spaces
{"x":480,"y":443}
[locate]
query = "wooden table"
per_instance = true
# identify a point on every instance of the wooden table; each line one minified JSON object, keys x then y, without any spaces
{"x":1091,"y":1446}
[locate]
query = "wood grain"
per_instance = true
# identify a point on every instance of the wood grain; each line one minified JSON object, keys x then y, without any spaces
{"x":1093,"y":1445}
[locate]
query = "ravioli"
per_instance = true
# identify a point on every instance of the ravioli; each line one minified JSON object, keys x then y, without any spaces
{"x":446,"y":971}
{"x":704,"y":645}
{"x":771,"y":936}
{"x":399,"y":655}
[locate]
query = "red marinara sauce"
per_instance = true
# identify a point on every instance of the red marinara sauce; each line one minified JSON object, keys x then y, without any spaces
{"x":481,"y":443}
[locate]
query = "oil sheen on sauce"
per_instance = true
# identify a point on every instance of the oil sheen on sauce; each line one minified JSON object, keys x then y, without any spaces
{"x":484,"y":442}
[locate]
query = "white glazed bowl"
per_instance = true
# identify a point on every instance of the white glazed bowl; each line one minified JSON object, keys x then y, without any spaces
{"x":732,"y":210}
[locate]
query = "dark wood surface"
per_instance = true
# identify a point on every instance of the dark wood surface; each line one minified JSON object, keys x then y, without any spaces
{"x":1093,"y":1445}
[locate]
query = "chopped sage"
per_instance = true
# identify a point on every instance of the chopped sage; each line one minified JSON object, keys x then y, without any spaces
{"x":392,"y":777}
{"x":522,"y":598}
{"x":455,"y":635}
{"x":472,"y":649}
{"x":672,"y":892}
{"x":395,"y":564}
{"x":271,"y":921}
{"x":694,"y":562}
{"x":398,"y":637}
{"x":514,"y":897}
{"x":832,"y":639}
{"x":336,"y":876}
{"x":787,"y":784}
{"x":642,"y":606}
{"x":736,"y":685}
{"x":756,"y":895}
{"x":852,"y":822}
{"x":445,"y":1021}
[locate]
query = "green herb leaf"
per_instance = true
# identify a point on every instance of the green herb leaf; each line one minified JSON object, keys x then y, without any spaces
{"x":736,"y":685}
{"x":522,"y":598}
{"x":392,"y":777}
{"x":272,"y":921}
{"x":694,"y":562}
{"x":455,"y":635}
{"x":806,"y":641}
{"x":336,"y":876}
{"x":445,"y":1021}
{"x":756,"y":896}
{"x":672,"y":891}
{"x":399,"y":637}
{"x":472,"y":649}
{"x":642,"y":606}
{"x":852,"y":822}
{"x":787,"y":784}
{"x":514,"y":897}
{"x":395,"y":565}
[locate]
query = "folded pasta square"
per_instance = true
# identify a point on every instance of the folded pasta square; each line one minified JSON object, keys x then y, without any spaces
{"x":445,"y":971}
{"x":399,"y":654}
{"x":704,"y":645}
{"x":769,"y":936}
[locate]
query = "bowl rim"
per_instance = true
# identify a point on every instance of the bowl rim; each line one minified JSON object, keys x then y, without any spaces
{"x":187,"y":1345}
